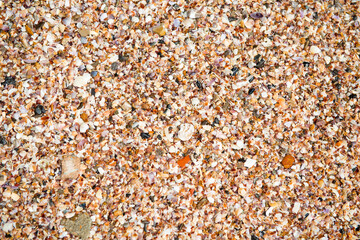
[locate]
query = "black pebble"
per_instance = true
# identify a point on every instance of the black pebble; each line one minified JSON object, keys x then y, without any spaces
{"x":144,"y":135}
{"x":231,"y":19}
{"x":115,"y":66}
{"x":9,"y":80}
{"x":338,"y":86}
{"x":3,"y":140}
{"x":316,"y":16}
{"x":251,"y":91}
{"x":254,"y":237}
{"x":205,"y":122}
{"x":353,"y":95}
{"x":92,"y":91}
{"x":257,"y":57}
{"x":123,"y":58}
{"x":335,"y":72}
{"x":234,"y":70}
{"x":260,"y":63}
{"x":39,"y":109}
{"x":306,"y":64}
{"x":216,"y":121}
{"x":341,"y":231}
{"x":336,"y":79}
{"x":357,"y":228}
{"x":242,"y":160}
{"x":199,"y":85}
{"x":83,"y":205}
{"x":159,"y":137}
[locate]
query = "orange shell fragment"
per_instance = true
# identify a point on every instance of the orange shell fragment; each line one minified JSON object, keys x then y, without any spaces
{"x":182,"y":162}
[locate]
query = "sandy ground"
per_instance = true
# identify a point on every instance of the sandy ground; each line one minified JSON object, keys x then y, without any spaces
{"x":179,"y":120}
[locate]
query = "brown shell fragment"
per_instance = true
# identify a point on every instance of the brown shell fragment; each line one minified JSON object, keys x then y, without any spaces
{"x":202,"y":202}
{"x":70,"y":167}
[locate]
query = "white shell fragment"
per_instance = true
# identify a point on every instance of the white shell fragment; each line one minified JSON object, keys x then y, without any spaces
{"x":315,"y":50}
{"x":250,"y":163}
{"x":83,"y":80}
{"x":186,"y":131}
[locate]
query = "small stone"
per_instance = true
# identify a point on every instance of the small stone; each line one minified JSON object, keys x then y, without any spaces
{"x":160,"y":30}
{"x":79,"y":225}
{"x":39,"y":110}
{"x":9,"y":80}
{"x":70,"y":167}
{"x":83,"y":40}
{"x":3,"y":140}
{"x":251,"y":91}
{"x":234,"y":70}
{"x":232,"y":19}
{"x":94,"y":73}
{"x":315,"y":50}
{"x":81,"y":81}
{"x":306,"y":64}
{"x":84,"y":32}
{"x":199,"y":85}
{"x":256,"y":15}
{"x":115,"y":66}
{"x":288,"y":161}
{"x":123,"y":58}
{"x":254,"y":237}
{"x":186,"y":131}
{"x":352,"y":96}
{"x":144,"y":135}
{"x":216,"y":121}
